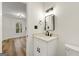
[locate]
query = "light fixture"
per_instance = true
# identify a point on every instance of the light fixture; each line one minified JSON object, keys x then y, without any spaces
{"x":19,"y":15}
{"x":49,"y":9}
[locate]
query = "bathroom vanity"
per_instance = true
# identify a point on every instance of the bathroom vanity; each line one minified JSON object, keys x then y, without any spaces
{"x":45,"y":45}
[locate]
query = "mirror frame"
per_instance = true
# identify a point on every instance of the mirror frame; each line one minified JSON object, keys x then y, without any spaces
{"x":53,"y":17}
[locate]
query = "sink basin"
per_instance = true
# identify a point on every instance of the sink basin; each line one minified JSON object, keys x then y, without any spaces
{"x":44,"y":37}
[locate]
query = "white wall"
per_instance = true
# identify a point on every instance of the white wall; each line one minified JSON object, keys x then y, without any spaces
{"x":67,"y":17}
{"x":10,"y":19}
{"x":34,"y":14}
{"x":69,"y":21}
{"x":9,"y":27}
{"x":36,"y":11}
{"x":57,"y":11}
{"x":0,"y":27}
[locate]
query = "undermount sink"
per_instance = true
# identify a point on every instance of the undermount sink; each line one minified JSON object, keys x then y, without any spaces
{"x":44,"y":37}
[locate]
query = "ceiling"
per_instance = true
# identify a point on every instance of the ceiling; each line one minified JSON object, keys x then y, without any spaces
{"x":14,"y":9}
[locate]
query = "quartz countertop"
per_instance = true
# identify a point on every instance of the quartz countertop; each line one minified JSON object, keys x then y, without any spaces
{"x":44,"y":37}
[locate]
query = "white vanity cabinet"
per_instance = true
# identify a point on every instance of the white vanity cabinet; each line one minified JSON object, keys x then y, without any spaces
{"x":45,"y":47}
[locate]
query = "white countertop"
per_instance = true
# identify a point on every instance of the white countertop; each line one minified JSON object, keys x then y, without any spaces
{"x":44,"y":37}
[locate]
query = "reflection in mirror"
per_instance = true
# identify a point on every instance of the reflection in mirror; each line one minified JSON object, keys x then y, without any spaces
{"x":50,"y":23}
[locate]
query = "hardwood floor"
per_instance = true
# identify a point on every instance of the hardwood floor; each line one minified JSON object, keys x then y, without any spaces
{"x":14,"y":46}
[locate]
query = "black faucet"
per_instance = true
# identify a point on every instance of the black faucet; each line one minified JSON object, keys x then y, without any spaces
{"x":47,"y":33}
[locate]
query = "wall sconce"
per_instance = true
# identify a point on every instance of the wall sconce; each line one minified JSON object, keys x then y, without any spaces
{"x":49,"y":9}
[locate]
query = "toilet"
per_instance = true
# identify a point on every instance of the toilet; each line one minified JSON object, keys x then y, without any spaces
{"x":71,"y":50}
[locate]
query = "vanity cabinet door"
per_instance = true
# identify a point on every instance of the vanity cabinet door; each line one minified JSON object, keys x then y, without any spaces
{"x":40,"y":47}
{"x":52,"y":48}
{"x":43,"y":47}
{"x":36,"y":47}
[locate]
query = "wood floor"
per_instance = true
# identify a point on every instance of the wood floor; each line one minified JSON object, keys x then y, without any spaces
{"x":14,"y":46}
